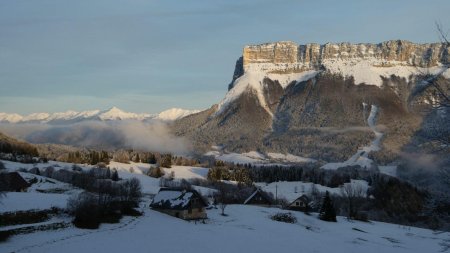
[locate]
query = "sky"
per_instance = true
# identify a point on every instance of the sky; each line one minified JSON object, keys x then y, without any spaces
{"x":148,"y":56}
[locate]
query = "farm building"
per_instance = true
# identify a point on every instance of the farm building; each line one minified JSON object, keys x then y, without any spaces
{"x":13,"y":182}
{"x":183,"y":204}
{"x":259,"y":198}
{"x":300,"y":204}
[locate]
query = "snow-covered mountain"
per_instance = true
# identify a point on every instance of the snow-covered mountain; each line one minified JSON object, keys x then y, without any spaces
{"x":113,"y":113}
{"x":315,"y":100}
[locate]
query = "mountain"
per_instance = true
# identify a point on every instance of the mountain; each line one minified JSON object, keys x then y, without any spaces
{"x":317,"y":101}
{"x":111,"y":114}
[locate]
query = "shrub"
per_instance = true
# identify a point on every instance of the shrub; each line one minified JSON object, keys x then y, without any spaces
{"x":4,"y":235}
{"x":284,"y":217}
{"x":86,"y":211}
{"x":155,"y":172}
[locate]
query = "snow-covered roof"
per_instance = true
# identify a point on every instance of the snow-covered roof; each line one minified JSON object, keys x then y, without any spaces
{"x":168,"y":198}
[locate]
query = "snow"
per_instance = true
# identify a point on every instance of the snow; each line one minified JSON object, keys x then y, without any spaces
{"x":13,"y":117}
{"x":175,"y":113}
{"x":294,"y":189}
{"x":116,"y":114}
{"x":254,"y":155}
{"x":36,"y":117}
{"x":290,"y":158}
{"x":112,"y":114}
{"x":187,"y":172}
{"x":361,"y":157}
{"x":390,"y":170}
{"x":175,"y":198}
{"x":246,"y":228}
{"x":23,"y":201}
{"x":253,"y":79}
{"x":257,"y":158}
{"x":370,"y":70}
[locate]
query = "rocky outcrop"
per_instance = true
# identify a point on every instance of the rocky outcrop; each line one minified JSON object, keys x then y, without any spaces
{"x":309,"y":56}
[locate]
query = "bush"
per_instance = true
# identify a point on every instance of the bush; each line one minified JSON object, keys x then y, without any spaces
{"x":25,"y":217}
{"x":4,"y":235}
{"x":284,"y":217}
{"x":86,"y":211}
{"x":155,"y":172}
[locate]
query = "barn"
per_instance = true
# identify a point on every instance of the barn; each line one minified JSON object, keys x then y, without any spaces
{"x":13,"y":182}
{"x":183,"y":204}
{"x":300,"y":204}
{"x":259,"y":198}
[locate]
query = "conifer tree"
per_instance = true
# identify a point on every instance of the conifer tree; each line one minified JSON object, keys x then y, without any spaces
{"x":152,"y":159}
{"x":327,"y":212}
{"x":115,"y":175}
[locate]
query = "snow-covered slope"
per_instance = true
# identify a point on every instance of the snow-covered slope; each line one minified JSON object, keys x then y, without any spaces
{"x":257,"y":158}
{"x":253,"y":79}
{"x":290,"y":191}
{"x":106,"y":115}
{"x":244,"y":229}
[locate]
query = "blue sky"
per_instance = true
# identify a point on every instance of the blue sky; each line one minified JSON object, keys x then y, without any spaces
{"x":147,"y":56}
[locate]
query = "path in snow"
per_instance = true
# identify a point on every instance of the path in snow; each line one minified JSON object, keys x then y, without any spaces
{"x":361,"y":157}
{"x":121,"y":226}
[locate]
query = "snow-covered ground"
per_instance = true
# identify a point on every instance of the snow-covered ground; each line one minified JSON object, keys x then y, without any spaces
{"x":292,"y":190}
{"x":57,"y":193}
{"x":257,"y":158}
{"x":24,"y":201}
{"x":245,"y":229}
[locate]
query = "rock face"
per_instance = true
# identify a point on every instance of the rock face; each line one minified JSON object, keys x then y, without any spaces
{"x":312,"y":100}
{"x":302,"y":57}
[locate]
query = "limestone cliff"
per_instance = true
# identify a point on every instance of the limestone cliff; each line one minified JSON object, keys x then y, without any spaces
{"x":312,"y":55}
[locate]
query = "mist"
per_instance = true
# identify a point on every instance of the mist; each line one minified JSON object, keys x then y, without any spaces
{"x":145,"y":136}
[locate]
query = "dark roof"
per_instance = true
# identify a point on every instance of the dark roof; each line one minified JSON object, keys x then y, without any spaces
{"x":12,"y":181}
{"x":176,"y":199}
{"x":258,"y":192}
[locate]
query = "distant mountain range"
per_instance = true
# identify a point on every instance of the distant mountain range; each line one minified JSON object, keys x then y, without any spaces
{"x":113,"y":113}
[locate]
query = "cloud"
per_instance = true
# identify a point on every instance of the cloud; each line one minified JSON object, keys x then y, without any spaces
{"x":147,"y":136}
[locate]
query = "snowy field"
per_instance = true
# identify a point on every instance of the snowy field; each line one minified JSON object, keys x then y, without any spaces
{"x":257,"y":158}
{"x":245,"y":229}
{"x":292,"y":190}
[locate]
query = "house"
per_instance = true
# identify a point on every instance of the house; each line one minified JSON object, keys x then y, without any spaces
{"x":183,"y":204}
{"x":259,"y":198}
{"x":300,"y":204}
{"x":13,"y":182}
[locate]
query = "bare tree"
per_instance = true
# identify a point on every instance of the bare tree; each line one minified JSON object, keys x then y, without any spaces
{"x":353,"y":193}
{"x":438,"y":127}
{"x":223,"y":198}
{"x":437,"y":81}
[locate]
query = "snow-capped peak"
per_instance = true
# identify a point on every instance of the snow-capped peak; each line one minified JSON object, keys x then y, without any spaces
{"x":113,"y":113}
{"x":175,"y":113}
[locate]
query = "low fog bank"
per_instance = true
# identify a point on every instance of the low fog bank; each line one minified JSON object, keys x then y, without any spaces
{"x":146,"y":136}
